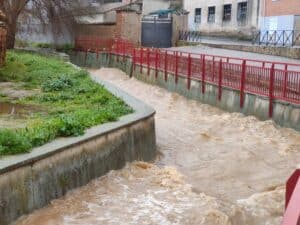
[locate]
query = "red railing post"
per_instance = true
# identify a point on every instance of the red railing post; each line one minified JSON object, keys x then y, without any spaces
{"x":213,"y":69}
{"x":220,"y":81}
{"x":243,"y":80}
{"x":111,"y":49}
{"x":292,"y":197}
{"x":117,"y":50}
{"x":124,"y":51}
{"x":166,"y":65}
{"x":271,"y":90}
{"x":148,"y":61}
{"x":203,"y":74}
{"x":85,"y":56}
{"x":134,"y":59}
{"x":189,"y":71}
{"x":156,"y":63}
{"x":285,"y":80}
{"x":141,"y":60}
{"x":176,"y":67}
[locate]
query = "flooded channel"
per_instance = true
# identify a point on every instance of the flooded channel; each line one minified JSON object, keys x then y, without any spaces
{"x":213,"y":168}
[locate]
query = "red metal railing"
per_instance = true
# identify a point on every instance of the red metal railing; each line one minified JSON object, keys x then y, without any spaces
{"x":292,"y":213}
{"x":274,"y":80}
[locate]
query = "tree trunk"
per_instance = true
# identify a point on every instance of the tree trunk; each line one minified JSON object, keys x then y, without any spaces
{"x":11,"y":34}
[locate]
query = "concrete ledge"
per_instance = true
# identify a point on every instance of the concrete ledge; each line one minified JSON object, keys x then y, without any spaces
{"x":31,"y":181}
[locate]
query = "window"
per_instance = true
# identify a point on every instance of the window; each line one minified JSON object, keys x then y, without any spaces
{"x":242,"y":12}
{"x":227,"y":12}
{"x":211,"y":14}
{"x":198,"y":15}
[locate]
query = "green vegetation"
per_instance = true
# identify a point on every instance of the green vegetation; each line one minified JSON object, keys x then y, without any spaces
{"x":69,"y":102}
{"x":58,"y":47}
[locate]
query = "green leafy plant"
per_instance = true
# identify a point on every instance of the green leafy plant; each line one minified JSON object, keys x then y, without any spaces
{"x":12,"y":141}
{"x":69,"y":101}
{"x":57,"y":84}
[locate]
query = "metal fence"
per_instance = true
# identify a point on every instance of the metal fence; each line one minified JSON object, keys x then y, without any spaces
{"x":274,"y":80}
{"x":191,"y":36}
{"x":277,"y":37}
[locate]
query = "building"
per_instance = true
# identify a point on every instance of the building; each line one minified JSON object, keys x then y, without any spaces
{"x":154,"y":5}
{"x":280,"y":15}
{"x":124,"y":20}
{"x":113,"y":20}
{"x":224,"y":17}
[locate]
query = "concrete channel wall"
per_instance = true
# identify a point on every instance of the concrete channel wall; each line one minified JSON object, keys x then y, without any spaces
{"x":284,"y":114}
{"x":30,"y":181}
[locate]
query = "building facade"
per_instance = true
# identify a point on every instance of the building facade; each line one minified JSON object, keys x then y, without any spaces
{"x":224,"y":17}
{"x":280,"y":15}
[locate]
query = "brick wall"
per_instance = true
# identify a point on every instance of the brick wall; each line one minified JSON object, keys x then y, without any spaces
{"x":282,"y":7}
{"x":2,"y":45}
{"x":129,"y":26}
{"x":102,"y":31}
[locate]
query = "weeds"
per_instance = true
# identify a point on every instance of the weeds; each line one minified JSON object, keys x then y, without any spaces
{"x":72,"y":101}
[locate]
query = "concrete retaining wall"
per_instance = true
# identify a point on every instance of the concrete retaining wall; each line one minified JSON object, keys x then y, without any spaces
{"x":284,"y":114}
{"x":31,"y":181}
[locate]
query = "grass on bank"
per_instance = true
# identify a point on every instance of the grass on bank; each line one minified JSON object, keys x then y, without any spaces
{"x":69,"y":102}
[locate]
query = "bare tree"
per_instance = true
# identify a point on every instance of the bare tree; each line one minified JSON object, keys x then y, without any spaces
{"x":56,"y":13}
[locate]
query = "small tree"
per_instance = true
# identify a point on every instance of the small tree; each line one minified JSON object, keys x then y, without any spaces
{"x":57,"y":13}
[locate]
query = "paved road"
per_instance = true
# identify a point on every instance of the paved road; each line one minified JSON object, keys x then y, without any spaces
{"x":237,"y":54}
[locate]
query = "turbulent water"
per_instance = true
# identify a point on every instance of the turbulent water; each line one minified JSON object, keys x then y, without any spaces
{"x":214,"y":168}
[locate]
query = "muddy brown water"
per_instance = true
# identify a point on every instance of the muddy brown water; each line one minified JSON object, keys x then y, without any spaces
{"x":214,"y":168}
{"x":17,"y":110}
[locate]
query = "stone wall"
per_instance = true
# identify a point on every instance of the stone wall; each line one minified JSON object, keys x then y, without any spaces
{"x":2,"y":45}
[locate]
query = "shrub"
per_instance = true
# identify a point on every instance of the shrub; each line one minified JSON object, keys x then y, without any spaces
{"x":69,"y":126}
{"x":57,"y":84}
{"x":12,"y":141}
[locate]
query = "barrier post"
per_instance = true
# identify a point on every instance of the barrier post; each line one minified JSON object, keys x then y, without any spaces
{"x":176,"y":67}
{"x":285,"y":80}
{"x":220,"y":80}
{"x":85,"y":57}
{"x":213,"y":69}
{"x":203,"y":74}
{"x":292,"y":198}
{"x":148,"y":61}
{"x":156,"y":63}
{"x":117,"y":50}
{"x":271,"y":90}
{"x":189,"y":72}
{"x":243,"y":80}
{"x":141,"y":60}
{"x":123,"y":49}
{"x":166,"y":65}
{"x":134,"y":60}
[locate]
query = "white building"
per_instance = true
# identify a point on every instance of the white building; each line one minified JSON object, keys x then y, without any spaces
{"x":223,"y":16}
